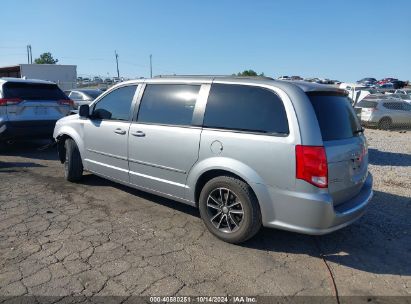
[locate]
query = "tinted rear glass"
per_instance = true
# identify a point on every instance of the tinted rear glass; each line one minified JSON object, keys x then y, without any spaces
{"x":335,"y":115}
{"x":33,"y":91}
{"x":245,"y":108}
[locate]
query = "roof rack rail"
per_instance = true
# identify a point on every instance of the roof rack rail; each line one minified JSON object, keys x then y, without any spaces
{"x":215,"y":76}
{"x":188,"y":75}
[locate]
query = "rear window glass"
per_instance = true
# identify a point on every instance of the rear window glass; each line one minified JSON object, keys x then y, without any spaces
{"x":335,"y":115}
{"x":33,"y":91}
{"x":367,"y":104}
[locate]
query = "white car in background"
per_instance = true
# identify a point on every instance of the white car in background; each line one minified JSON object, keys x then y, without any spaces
{"x":356,"y":92}
{"x":83,"y":96}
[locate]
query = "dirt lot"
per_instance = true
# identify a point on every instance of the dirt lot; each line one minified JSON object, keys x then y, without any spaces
{"x":100,"y":238}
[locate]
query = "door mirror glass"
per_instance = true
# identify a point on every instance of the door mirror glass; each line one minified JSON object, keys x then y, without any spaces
{"x":84,"y":111}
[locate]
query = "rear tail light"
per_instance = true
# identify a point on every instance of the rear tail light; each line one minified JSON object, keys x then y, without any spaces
{"x":66,"y":102}
{"x":10,"y":101}
{"x":311,"y":165}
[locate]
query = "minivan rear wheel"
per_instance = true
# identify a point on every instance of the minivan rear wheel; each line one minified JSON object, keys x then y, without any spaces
{"x":385,"y":123}
{"x":73,"y":166}
{"x":230,"y":209}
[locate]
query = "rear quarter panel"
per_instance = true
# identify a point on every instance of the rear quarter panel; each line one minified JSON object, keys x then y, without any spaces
{"x":257,"y":158}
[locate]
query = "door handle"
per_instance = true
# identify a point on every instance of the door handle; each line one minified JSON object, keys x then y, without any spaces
{"x":138,"y":133}
{"x":120,"y":131}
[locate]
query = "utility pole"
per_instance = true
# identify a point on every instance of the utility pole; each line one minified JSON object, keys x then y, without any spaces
{"x":31,"y":54}
{"x":118,"y":72}
{"x":151,"y":66}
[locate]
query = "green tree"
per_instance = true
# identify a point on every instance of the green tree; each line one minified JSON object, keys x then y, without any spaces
{"x":249,"y":73}
{"x":46,"y":58}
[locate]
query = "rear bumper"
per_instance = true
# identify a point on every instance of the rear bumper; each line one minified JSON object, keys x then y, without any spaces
{"x":315,"y":213}
{"x":26,"y":129}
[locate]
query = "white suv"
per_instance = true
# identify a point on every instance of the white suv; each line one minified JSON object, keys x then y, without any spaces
{"x":30,"y":108}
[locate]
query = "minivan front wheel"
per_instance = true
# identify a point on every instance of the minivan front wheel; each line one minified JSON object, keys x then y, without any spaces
{"x":230,"y":209}
{"x":73,"y":166}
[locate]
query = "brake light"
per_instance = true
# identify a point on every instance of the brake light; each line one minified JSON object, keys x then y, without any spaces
{"x":66,"y":102}
{"x":10,"y":101}
{"x":311,"y":165}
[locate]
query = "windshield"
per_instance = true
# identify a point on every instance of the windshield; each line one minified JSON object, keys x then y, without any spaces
{"x":335,"y":115}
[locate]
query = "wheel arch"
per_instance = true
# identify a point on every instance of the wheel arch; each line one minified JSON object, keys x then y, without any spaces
{"x":210,"y":174}
{"x":385,"y":118}
{"x":62,"y":136}
{"x":207,"y":169}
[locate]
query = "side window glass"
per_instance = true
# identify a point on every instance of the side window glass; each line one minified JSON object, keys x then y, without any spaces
{"x":406,"y":106}
{"x":115,"y":105}
{"x":245,"y":108}
{"x":168,"y":104}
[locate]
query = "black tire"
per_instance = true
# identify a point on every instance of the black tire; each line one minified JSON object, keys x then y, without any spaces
{"x":250,"y":222}
{"x":73,"y":166}
{"x":385,"y":123}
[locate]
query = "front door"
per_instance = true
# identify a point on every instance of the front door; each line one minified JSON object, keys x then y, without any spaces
{"x":106,"y":134}
{"x":163,"y":143}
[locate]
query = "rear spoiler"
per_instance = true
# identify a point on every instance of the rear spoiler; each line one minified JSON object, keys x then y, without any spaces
{"x":336,"y":92}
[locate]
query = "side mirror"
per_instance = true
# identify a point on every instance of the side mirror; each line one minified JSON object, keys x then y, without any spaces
{"x":84,"y":111}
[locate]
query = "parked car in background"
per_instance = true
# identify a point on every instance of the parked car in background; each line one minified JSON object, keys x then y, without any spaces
{"x":97,"y":80}
{"x":284,"y":78}
{"x":387,"y":85}
{"x":403,"y":91}
{"x":30,"y":108}
{"x":108,"y":81}
{"x":246,"y":151}
{"x":325,"y":81}
{"x":398,"y":84}
{"x":384,"y":113}
{"x":386,"y":80}
{"x":355,"y":91}
{"x":311,"y":79}
{"x":368,"y":81}
{"x":83,"y":96}
{"x":404,"y":97}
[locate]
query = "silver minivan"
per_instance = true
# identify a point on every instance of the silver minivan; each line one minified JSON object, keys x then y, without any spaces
{"x":246,"y":151}
{"x":29,"y":108}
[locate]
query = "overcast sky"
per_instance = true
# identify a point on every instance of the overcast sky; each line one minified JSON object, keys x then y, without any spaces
{"x":344,"y":40}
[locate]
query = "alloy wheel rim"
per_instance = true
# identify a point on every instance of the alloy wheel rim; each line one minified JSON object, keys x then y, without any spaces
{"x":225,"y":210}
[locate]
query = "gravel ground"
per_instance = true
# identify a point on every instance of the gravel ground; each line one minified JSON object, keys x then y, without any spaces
{"x":100,"y":238}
